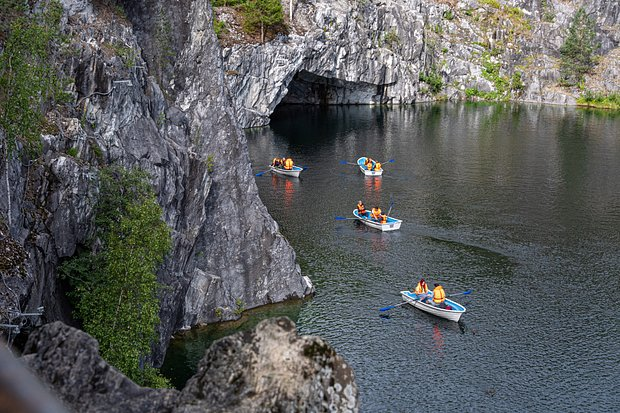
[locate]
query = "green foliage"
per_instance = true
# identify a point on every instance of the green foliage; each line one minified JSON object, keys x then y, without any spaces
{"x":577,"y":52}
{"x":600,"y":100}
{"x":262,"y":14}
{"x":72,"y":152}
{"x":29,"y":82}
{"x":240,"y":306}
{"x":433,"y":80}
{"x":210,"y":164}
{"x":391,"y":39}
{"x":448,"y":14}
{"x":229,"y":3}
{"x":503,"y":86}
{"x":115,"y":288}
{"x":219,"y":27}
{"x":547,"y":12}
{"x":492,"y":3}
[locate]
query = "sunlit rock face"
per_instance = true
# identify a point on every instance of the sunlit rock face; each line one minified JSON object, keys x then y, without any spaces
{"x":368,"y":52}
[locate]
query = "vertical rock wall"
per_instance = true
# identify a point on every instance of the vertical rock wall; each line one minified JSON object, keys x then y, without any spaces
{"x":156,"y":100}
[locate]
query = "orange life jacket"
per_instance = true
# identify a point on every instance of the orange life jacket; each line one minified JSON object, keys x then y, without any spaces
{"x":288,"y":164}
{"x":275,"y":162}
{"x":383,"y":218}
{"x":421,"y":289}
{"x":378,"y":166}
{"x":376,"y":213}
{"x":361,"y":209}
{"x":439,"y":295}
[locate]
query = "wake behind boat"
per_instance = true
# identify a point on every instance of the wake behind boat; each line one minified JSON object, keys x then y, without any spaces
{"x":453,"y":313}
{"x":294,"y":171}
{"x":391,"y":224}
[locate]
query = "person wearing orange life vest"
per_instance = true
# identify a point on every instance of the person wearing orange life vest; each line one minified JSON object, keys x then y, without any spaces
{"x":276,"y":163}
{"x":369,"y":164}
{"x":421,"y":290}
{"x":378,"y":166}
{"x":361,"y":209}
{"x":383,"y":218}
{"x":439,"y":296}
{"x":375,"y":213}
{"x":288,"y":164}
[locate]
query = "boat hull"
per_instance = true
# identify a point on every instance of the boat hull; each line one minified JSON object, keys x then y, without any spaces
{"x":288,"y":172}
{"x":360,"y":163}
{"x":392,"y":224}
{"x":453,"y":315}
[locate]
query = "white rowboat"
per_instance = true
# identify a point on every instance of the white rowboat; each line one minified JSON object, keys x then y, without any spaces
{"x":365,"y":171}
{"x":288,"y":172}
{"x":453,"y":314}
{"x":391,"y":224}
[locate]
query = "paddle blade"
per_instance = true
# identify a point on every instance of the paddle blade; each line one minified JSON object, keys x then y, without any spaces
{"x":339,"y":218}
{"x":344,"y":163}
{"x":467,"y":292}
{"x":389,"y":307}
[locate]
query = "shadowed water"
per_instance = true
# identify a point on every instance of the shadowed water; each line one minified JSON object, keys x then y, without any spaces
{"x":520,"y":203}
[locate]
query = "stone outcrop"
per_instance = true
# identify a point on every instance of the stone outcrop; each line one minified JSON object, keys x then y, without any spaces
{"x":375,"y":52}
{"x":227,"y":254}
{"x":269,"y":368}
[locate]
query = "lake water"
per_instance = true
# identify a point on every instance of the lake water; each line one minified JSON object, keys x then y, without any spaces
{"x":519,"y":203}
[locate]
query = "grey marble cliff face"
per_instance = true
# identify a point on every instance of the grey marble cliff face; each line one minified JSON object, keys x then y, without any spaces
{"x":227,"y":250}
{"x":373,"y":52}
{"x":269,"y":368}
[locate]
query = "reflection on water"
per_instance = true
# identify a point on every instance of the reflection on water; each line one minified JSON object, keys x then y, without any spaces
{"x":520,"y":203}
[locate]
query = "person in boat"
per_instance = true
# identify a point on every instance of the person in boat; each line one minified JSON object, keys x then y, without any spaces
{"x":276,"y":163}
{"x":439,"y":296}
{"x":369,"y":164}
{"x":361,"y":209}
{"x":375,"y":213}
{"x":383,"y":218}
{"x":378,"y":166}
{"x":421,"y":290}
{"x":288,"y":164}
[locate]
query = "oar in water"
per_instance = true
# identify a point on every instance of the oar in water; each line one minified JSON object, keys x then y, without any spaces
{"x":262,"y":173}
{"x":389,"y":307}
{"x":342,"y":218}
{"x":388,"y":161}
{"x":463,"y":293}
{"x":347,"y":163}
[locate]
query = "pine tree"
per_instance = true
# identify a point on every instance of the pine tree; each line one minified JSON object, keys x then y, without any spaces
{"x":262,"y":14}
{"x":577,"y":52}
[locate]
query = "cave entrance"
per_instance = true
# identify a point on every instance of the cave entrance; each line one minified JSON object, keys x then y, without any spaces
{"x":308,"y":88}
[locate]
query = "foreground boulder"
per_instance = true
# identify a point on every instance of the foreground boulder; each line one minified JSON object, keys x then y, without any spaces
{"x":270,"y":368}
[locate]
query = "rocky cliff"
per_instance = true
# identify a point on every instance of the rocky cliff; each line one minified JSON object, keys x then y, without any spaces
{"x":267,"y":369}
{"x":155,"y":99}
{"x":385,"y":52}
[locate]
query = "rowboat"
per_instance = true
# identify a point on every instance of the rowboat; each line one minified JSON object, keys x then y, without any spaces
{"x":453,"y":314}
{"x":288,"y":172}
{"x":391,"y":224}
{"x":360,"y":163}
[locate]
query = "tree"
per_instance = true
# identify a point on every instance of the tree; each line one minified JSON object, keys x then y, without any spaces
{"x":116,"y":287}
{"x":577,"y":52}
{"x":262,"y":14}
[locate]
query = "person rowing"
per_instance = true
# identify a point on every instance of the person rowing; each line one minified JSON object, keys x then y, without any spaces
{"x":361,"y":209}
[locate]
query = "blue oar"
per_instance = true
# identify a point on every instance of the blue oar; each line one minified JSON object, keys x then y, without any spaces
{"x":347,"y":163}
{"x":263,"y":173}
{"x":390,"y":161}
{"x":342,"y":218}
{"x":463,"y":293}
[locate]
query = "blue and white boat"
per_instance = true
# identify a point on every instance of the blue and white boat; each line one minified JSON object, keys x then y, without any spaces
{"x":365,"y":171}
{"x":288,"y":172}
{"x":453,"y":313}
{"x":391,"y":224}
